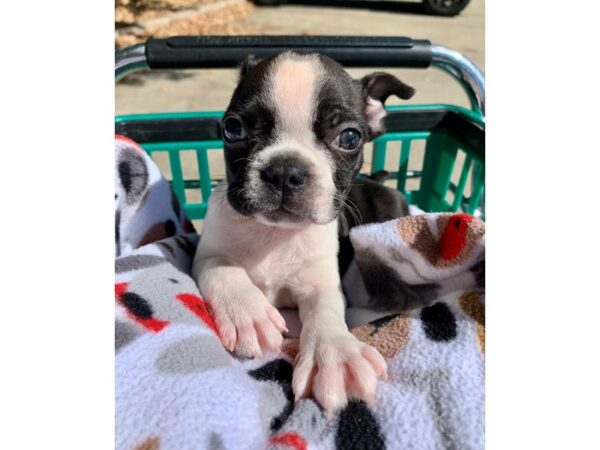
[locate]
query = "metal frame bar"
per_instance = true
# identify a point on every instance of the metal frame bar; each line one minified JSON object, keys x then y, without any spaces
{"x":130,"y":60}
{"x":465,"y":72}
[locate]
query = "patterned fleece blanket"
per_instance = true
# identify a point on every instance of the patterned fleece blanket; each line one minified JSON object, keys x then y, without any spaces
{"x":418,"y":279}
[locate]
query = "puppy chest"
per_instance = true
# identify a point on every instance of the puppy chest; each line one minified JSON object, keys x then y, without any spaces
{"x":276,"y":273}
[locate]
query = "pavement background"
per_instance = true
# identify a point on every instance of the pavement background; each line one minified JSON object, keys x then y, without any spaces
{"x":194,"y":90}
{"x":210,"y":89}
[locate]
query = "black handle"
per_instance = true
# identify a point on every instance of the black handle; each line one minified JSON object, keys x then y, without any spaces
{"x":202,"y":52}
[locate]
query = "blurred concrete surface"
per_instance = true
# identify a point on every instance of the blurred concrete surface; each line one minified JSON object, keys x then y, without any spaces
{"x":211,"y":89}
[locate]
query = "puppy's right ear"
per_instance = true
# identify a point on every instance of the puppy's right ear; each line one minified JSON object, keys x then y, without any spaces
{"x":249,"y":63}
{"x":376,"y":88}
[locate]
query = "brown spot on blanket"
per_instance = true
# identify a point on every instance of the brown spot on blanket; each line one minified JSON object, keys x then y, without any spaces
{"x":152,"y":443}
{"x":472,"y":304}
{"x":157,"y":232}
{"x":387,"y":335}
{"x":415,"y":231}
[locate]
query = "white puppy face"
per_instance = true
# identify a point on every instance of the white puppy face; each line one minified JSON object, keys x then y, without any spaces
{"x":294,"y":134}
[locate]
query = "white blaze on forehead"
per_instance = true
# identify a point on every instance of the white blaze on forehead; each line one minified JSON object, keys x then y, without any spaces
{"x":294,"y":85}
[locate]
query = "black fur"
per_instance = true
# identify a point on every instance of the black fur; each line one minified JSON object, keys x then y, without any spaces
{"x":248,"y":105}
{"x":369,"y":201}
{"x":339,"y":106}
{"x":379,"y":86}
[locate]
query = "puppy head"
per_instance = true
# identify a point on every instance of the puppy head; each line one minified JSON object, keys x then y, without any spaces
{"x":294,"y":133}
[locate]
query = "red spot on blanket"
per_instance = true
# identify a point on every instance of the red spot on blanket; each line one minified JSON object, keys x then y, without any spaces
{"x":119,"y":289}
{"x":454,"y":236}
{"x":196,"y":305}
{"x":293,"y":440}
{"x":152,"y":324}
{"x":120,"y":137}
{"x":138,"y":309}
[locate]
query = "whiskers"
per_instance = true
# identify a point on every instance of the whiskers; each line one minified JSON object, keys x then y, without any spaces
{"x":243,"y":159}
{"x":221,"y":200}
{"x":350,"y":206}
{"x":238,"y":191}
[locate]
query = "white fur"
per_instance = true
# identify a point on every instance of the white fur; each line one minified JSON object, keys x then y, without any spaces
{"x":375,"y":112}
{"x":321,"y":167}
{"x":245,"y":269}
{"x":293,"y":80}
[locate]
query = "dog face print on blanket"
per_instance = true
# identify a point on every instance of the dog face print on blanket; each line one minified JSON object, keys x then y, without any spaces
{"x":146,"y":208}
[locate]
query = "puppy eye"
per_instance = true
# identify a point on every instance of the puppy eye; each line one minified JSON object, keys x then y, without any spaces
{"x":233,"y":130}
{"x":349,"y":139}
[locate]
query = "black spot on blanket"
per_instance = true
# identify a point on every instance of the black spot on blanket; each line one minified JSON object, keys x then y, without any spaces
{"x":133,"y":175}
{"x":118,"y":231}
{"x":439,"y":324}
{"x":280,"y":371}
{"x":358,"y":428}
{"x":170,"y":227}
{"x":136,"y":305}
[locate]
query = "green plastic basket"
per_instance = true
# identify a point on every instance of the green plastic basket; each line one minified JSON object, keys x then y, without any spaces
{"x":435,"y":153}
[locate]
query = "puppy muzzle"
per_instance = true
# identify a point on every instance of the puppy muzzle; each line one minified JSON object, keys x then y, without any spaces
{"x":284,"y":182}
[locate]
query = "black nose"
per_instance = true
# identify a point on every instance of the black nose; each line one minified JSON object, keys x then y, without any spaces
{"x":284,"y":178}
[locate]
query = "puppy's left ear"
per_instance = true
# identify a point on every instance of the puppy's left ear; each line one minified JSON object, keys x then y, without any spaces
{"x":376,"y":88}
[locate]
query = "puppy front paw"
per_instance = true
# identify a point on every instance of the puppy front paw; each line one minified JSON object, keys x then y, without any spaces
{"x":335,"y":369}
{"x":249,"y":327}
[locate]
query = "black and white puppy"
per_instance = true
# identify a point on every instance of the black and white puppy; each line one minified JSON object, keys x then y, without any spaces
{"x":293,"y":133}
